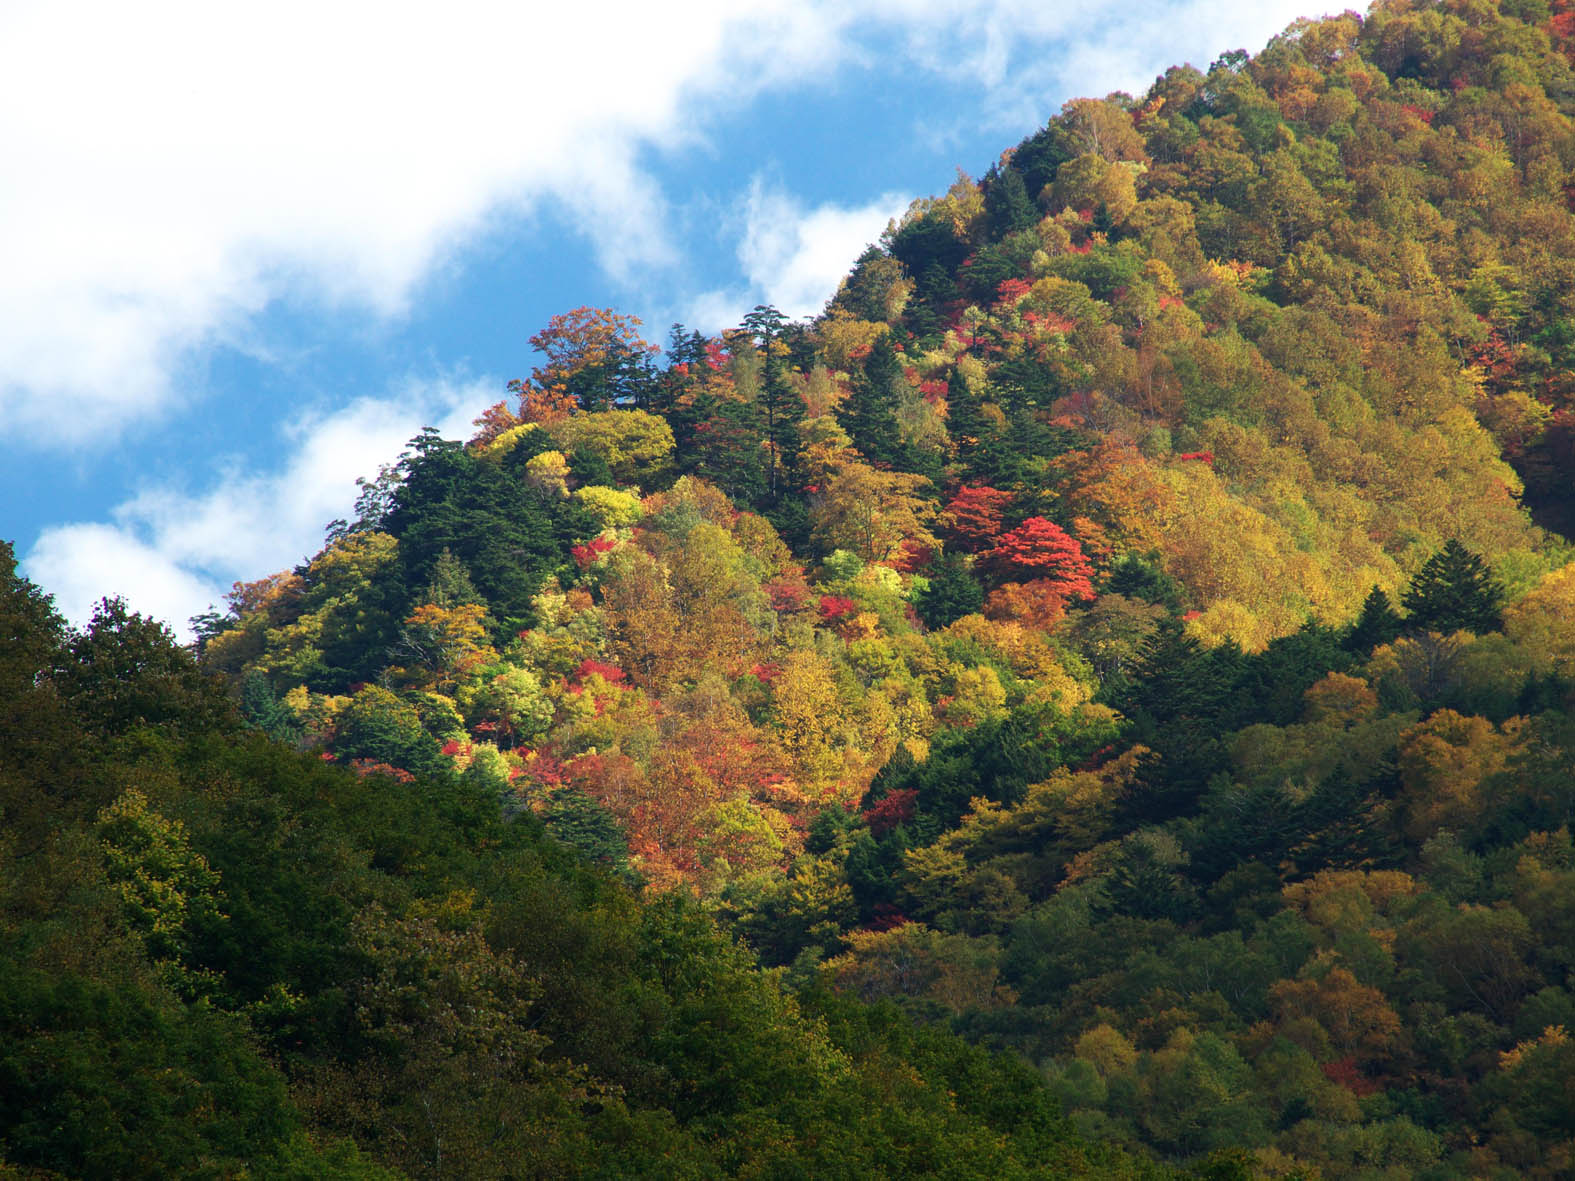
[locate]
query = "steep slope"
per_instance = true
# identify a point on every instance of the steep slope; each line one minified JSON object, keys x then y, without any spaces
{"x":1019,"y":640}
{"x":219,"y":957}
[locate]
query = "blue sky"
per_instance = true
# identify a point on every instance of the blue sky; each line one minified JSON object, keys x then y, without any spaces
{"x":246,"y":252}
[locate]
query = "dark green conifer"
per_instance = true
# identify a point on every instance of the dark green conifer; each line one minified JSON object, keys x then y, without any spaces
{"x":262,"y":709}
{"x":723,"y":447}
{"x":583,"y":823}
{"x":1454,"y":591}
{"x":450,"y":585}
{"x":1377,"y":624}
{"x":1007,"y":203}
{"x":484,"y":515}
{"x":590,"y":468}
{"x":953,"y":592}
{"x":780,"y":406}
{"x":965,"y":420}
{"x":1137,"y":578}
{"x":870,"y":413}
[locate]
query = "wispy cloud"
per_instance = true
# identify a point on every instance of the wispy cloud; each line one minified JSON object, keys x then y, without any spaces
{"x":170,"y":170}
{"x":792,"y":255}
{"x":81,"y":563}
{"x":1028,"y":56}
{"x":171,"y":552}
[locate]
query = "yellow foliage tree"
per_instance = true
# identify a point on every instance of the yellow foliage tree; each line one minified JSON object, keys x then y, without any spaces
{"x":548,"y":472}
{"x":806,"y":712}
{"x":1443,"y":763}
{"x":915,"y":964}
{"x":1335,"y":1017}
{"x":612,"y":507}
{"x":637,"y":446}
{"x":443,"y":647}
{"x":1542,"y":623}
{"x":870,"y":512}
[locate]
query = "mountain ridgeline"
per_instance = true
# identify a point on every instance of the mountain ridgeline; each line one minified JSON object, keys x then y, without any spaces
{"x":1098,"y":700}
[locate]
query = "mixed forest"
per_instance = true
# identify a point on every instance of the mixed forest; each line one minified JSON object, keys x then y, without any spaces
{"x":1097,"y":700}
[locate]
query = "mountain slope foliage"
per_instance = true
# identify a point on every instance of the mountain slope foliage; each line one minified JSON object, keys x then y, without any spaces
{"x":1130,"y":628}
{"x":221,"y":957}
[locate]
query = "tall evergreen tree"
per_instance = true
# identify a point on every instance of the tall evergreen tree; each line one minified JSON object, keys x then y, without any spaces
{"x":1178,"y":677}
{"x":483,"y":515}
{"x":780,"y":406}
{"x":1377,"y":624}
{"x":952,"y":593}
{"x":870,"y":413}
{"x":723,"y":446}
{"x":1454,"y":591}
{"x":1007,"y":203}
{"x":262,"y":709}
{"x":685,"y":350}
{"x":450,"y":584}
{"x":965,"y":420}
{"x":931,"y":251}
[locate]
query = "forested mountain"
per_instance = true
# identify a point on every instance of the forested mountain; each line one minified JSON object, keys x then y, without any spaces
{"x":221,"y":957}
{"x":1131,"y":630}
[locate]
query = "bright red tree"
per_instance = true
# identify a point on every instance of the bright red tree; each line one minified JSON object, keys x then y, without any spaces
{"x":1041,"y":549}
{"x":973,"y":518}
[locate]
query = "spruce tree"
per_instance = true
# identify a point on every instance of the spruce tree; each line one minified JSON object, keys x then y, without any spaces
{"x":953,"y":592}
{"x":780,"y":406}
{"x":870,"y":413}
{"x":263,"y":710}
{"x":450,"y":584}
{"x":1454,"y":591}
{"x":965,"y":421}
{"x":1377,"y":624}
{"x":1007,"y":203}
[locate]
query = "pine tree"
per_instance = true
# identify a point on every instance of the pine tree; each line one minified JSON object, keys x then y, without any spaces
{"x":450,"y":585}
{"x":780,"y":405}
{"x":870,"y":413}
{"x":1454,"y":591}
{"x":1007,"y":203}
{"x":263,"y":710}
{"x":953,"y":592}
{"x":1377,"y":624}
{"x":1177,"y":677}
{"x":965,"y":421}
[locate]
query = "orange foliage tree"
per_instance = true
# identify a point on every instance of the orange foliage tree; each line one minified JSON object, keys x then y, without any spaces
{"x":973,"y":517}
{"x":596,"y":359}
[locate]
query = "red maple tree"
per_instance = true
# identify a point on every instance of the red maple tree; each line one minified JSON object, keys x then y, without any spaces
{"x":1041,"y":549}
{"x":973,"y":518}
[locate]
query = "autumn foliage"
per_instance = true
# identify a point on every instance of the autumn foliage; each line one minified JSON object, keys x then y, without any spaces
{"x":1115,"y":628}
{"x":972,"y":518}
{"x":1042,"y":551}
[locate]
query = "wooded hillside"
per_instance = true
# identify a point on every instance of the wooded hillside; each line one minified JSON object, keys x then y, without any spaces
{"x":1131,"y":629}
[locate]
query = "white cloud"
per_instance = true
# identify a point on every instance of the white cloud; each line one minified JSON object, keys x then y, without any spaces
{"x":169,"y":169}
{"x":82,"y":563}
{"x":792,"y":256}
{"x":797,"y":256}
{"x":1029,"y":52}
{"x":715,"y":311}
{"x":171,"y":553}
